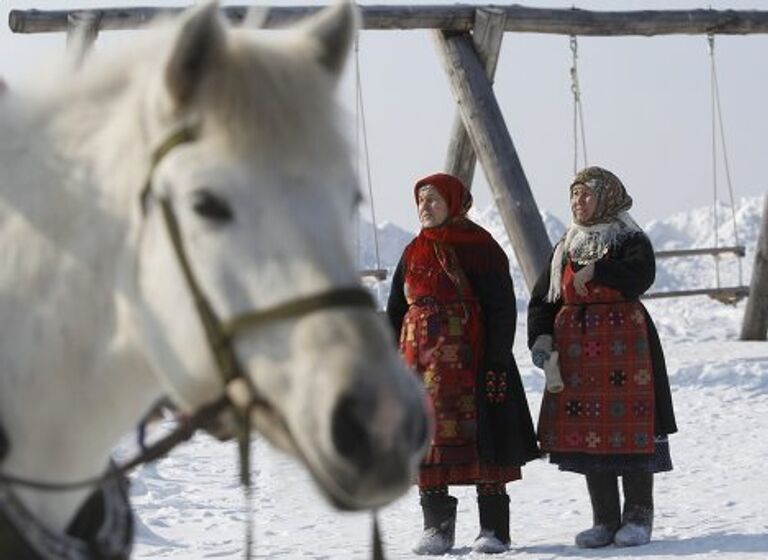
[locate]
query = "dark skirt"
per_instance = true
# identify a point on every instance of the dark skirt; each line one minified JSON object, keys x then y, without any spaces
{"x":659,"y":461}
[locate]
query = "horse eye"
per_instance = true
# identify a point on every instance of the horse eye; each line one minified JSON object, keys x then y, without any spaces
{"x":211,"y":207}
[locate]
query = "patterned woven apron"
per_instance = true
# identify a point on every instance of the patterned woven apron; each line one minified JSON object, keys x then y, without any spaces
{"x":436,"y":344}
{"x":607,"y":406}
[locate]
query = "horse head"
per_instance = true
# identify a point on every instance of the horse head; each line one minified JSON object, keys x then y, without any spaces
{"x":248,"y":204}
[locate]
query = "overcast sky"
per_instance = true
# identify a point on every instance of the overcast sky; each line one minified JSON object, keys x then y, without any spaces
{"x":646,"y":106}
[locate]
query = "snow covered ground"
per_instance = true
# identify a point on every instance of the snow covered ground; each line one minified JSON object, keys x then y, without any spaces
{"x":713,"y":505}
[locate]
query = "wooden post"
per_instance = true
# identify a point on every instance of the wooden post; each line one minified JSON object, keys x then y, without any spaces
{"x":487,"y":36}
{"x":755,"y":325}
{"x":493,"y":145}
{"x":82,"y":30}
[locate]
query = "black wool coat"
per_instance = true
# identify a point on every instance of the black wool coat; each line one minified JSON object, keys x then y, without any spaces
{"x":505,"y":431}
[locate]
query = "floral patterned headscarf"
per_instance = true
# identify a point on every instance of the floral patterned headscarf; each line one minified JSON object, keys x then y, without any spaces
{"x":612,"y":197}
{"x":588,"y":242}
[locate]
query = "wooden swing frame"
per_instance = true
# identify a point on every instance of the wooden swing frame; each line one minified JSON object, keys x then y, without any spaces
{"x":728,"y":295}
{"x":468,"y":39}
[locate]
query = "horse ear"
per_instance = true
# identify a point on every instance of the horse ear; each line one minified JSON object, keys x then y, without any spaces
{"x":333,"y":30}
{"x":199,"y":47}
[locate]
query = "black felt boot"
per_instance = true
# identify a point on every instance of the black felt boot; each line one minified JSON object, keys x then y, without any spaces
{"x":494,"y":524}
{"x":637,"y":520}
{"x":606,"y":511}
{"x":439,"y":524}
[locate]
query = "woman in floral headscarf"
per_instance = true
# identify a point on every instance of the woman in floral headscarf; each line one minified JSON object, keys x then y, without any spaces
{"x":453,"y":304}
{"x":614,"y":412}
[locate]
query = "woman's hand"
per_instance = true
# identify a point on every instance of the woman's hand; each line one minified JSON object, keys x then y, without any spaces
{"x":541,"y":350}
{"x":581,"y":278}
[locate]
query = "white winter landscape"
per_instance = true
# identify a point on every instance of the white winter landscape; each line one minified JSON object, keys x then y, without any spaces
{"x":713,"y":505}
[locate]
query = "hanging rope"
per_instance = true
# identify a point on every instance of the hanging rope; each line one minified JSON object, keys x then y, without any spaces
{"x":361,"y":127}
{"x":357,"y":159}
{"x":578,"y":113}
{"x":717,"y":122}
{"x":713,"y":134}
{"x":377,"y":547}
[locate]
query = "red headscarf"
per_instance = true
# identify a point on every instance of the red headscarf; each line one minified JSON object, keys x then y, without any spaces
{"x":457,"y":228}
{"x":453,"y":191}
{"x":457,"y":246}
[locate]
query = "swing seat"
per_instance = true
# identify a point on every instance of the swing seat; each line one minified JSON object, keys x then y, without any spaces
{"x":731,"y":295}
{"x":737,"y":250}
{"x":376,"y":273}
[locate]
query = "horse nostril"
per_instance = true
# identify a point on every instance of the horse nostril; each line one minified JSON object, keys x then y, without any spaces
{"x":350,"y":434}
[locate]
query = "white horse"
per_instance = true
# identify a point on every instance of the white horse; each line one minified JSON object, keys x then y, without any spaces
{"x":230,"y":140}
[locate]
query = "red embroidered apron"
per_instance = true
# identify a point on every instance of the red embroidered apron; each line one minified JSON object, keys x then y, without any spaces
{"x":607,"y":406}
{"x":442,"y":340}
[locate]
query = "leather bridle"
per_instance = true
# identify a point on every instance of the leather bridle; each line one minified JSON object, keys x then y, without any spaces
{"x":220,"y":336}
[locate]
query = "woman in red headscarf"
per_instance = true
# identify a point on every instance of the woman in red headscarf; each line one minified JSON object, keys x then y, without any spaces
{"x":453,"y":304}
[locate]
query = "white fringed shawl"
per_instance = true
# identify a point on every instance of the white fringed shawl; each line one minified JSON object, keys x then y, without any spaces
{"x":587,"y":244}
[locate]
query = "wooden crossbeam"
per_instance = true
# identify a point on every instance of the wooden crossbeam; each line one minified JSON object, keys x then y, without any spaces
{"x":457,"y":17}
{"x":737,"y":250}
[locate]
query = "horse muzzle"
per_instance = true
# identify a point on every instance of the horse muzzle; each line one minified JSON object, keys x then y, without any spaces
{"x":368,"y":451}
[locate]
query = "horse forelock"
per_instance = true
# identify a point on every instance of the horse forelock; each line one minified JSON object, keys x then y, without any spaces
{"x":271,"y":96}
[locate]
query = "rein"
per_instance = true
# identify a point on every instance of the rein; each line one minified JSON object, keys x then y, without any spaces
{"x":240,"y":395}
{"x":200,"y":419}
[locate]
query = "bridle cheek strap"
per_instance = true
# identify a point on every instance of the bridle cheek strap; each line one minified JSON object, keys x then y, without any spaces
{"x":221,"y":335}
{"x":239,"y":394}
{"x":239,"y":389}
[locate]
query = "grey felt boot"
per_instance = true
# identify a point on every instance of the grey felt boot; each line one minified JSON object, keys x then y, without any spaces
{"x":637,"y":520}
{"x":494,"y":524}
{"x":606,"y":511}
{"x":439,"y":525}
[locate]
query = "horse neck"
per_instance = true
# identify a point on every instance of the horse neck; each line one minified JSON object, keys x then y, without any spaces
{"x":73,"y":380}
